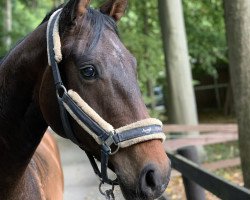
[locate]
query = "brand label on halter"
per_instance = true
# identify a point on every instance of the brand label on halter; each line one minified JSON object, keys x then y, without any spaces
{"x":147,"y":130}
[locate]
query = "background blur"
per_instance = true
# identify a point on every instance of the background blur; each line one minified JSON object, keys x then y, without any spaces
{"x":141,"y":32}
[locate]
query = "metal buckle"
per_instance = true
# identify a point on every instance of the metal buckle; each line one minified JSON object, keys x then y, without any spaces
{"x":107,"y":143}
{"x":109,"y":194}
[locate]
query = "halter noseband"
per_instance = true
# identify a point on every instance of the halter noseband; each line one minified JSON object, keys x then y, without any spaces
{"x":103,"y":132}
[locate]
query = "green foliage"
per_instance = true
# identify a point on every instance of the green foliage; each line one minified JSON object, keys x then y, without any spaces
{"x":28,"y":18}
{"x":140,"y":31}
{"x":141,"y":34}
{"x":25,"y":18}
{"x":206,"y":34}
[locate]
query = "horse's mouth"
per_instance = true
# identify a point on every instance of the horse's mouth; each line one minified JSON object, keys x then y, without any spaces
{"x":134,"y":194}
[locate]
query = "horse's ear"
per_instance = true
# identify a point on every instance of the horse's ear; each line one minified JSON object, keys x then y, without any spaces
{"x":73,"y":10}
{"x":114,"y":8}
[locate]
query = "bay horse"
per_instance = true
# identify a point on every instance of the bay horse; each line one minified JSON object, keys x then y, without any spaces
{"x":102,"y":71}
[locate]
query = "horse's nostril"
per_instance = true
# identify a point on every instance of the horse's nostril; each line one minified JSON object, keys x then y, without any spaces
{"x":150,"y":179}
{"x":151,"y":182}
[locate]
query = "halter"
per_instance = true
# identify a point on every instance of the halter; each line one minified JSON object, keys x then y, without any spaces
{"x":70,"y":103}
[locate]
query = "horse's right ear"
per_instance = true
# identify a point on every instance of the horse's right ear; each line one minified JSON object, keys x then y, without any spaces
{"x":114,"y":8}
{"x":71,"y":11}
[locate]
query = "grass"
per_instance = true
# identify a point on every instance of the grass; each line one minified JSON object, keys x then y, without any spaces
{"x":223,"y":151}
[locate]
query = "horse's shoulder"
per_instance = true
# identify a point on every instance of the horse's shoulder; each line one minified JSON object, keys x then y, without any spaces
{"x":47,"y":155}
{"x":45,"y":169}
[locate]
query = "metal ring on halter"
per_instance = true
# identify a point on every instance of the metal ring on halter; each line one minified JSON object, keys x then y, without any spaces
{"x":60,"y":91}
{"x":100,"y":188}
{"x":114,"y":152}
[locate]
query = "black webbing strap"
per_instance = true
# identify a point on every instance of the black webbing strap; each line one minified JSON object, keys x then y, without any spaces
{"x":104,"y":165}
{"x":63,"y":97}
{"x":85,"y":118}
{"x":55,"y":69}
{"x":136,"y":133}
{"x":93,"y":163}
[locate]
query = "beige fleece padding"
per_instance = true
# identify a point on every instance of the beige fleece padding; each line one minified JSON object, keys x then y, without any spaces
{"x":57,"y":41}
{"x":142,"y":123}
{"x":109,"y":128}
{"x":90,"y":112}
{"x":96,"y":138}
{"x":56,"y":38}
{"x":160,"y":136}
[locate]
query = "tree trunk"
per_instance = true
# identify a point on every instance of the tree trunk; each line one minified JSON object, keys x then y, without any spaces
{"x":181,"y":100}
{"x":182,"y":104}
{"x":8,"y":23}
{"x":150,"y":83}
{"x":237,"y":15}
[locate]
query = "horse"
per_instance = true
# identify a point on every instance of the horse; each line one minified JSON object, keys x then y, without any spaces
{"x":101,"y":72}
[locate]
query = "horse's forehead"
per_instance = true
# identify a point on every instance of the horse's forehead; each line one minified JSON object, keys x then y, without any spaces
{"x":116,"y":45}
{"x":111,"y":44}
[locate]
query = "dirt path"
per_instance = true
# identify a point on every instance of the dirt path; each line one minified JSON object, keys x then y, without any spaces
{"x":79,"y":179}
{"x":80,"y":182}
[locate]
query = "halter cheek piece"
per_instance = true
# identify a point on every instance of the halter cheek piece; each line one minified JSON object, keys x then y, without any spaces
{"x":103,"y":132}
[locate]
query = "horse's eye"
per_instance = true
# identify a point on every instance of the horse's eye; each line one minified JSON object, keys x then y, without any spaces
{"x":88,"y":72}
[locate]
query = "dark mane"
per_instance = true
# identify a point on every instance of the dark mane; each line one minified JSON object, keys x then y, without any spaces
{"x":95,"y":18}
{"x":97,"y":21}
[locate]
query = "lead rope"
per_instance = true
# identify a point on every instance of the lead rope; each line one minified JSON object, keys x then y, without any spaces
{"x":109,"y":195}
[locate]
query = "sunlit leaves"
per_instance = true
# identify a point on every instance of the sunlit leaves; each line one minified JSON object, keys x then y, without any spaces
{"x":206,"y":34}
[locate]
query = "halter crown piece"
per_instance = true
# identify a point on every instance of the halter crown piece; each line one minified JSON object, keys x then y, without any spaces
{"x":70,"y":103}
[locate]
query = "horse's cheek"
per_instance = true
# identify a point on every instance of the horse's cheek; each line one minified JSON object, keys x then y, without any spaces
{"x":48,"y":103}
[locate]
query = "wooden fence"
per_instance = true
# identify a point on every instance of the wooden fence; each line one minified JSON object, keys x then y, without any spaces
{"x":192,"y":172}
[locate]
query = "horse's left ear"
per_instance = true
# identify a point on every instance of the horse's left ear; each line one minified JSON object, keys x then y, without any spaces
{"x":114,"y":8}
{"x":73,"y":10}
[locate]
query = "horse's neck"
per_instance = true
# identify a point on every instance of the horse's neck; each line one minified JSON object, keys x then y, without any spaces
{"x":21,"y":123}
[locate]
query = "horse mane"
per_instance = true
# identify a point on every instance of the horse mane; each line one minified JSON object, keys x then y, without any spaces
{"x":96,"y":19}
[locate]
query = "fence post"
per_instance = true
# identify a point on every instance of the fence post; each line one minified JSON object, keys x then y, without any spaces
{"x":193,"y":190}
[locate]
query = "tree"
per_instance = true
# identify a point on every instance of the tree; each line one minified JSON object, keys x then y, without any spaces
{"x":26,"y":16}
{"x":140,"y":31}
{"x":8,"y":23}
{"x":206,"y":35}
{"x":237,"y":15}
{"x":182,"y":104}
{"x":203,"y":22}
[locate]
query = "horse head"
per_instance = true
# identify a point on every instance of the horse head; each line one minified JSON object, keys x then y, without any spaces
{"x":102,"y":72}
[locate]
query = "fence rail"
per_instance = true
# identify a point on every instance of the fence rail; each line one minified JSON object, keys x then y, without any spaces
{"x":216,"y":185}
{"x":192,"y":172}
{"x":200,"y":128}
{"x":212,"y":134}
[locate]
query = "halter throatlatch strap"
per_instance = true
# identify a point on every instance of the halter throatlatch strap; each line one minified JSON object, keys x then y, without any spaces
{"x":70,"y":103}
